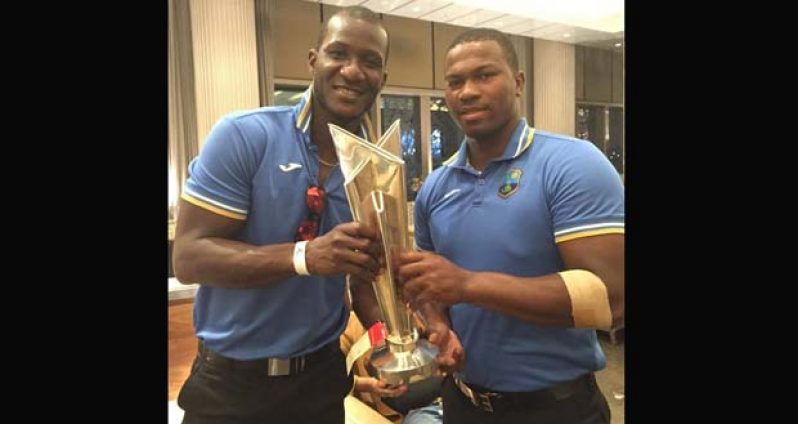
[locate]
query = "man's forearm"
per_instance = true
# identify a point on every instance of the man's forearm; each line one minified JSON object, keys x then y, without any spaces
{"x":543,"y":300}
{"x":540,"y":300}
{"x":233,"y":264}
{"x":364,"y":302}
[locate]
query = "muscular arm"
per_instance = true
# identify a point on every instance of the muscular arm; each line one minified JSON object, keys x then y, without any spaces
{"x":205,"y":251}
{"x":541,"y":300}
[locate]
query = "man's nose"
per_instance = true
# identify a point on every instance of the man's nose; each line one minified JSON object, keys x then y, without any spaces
{"x":353,"y":71}
{"x":469,"y":91}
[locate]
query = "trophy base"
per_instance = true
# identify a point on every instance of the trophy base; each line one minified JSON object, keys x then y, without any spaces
{"x":397,"y":365}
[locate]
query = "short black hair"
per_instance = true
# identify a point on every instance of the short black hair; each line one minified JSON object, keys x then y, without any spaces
{"x":361,"y":13}
{"x":488,"y":34}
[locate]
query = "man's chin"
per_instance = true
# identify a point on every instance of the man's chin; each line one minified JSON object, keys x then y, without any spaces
{"x":346,"y":114}
{"x":475,"y":131}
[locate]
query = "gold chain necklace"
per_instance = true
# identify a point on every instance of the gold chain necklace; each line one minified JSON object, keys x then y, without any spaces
{"x":330,"y":164}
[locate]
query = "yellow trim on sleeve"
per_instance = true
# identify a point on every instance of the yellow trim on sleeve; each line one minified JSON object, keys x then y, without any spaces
{"x":590,"y":233}
{"x":215,"y":209}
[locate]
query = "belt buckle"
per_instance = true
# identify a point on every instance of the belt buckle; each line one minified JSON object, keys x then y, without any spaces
{"x":480,"y":400}
{"x":285,"y":366}
{"x":279,"y":366}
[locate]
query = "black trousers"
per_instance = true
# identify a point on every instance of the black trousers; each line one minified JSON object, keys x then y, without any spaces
{"x":213,"y":394}
{"x":583,"y":407}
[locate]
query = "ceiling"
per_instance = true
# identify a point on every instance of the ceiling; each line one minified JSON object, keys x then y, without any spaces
{"x":595,"y":23}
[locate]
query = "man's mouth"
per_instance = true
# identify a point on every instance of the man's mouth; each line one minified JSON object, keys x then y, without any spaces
{"x":471,"y":112}
{"x":347,"y":92}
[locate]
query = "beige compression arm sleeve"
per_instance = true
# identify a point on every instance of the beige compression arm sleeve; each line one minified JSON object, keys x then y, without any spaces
{"x":590,"y":303}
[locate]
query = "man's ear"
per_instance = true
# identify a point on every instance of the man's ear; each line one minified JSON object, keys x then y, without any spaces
{"x":312,"y":56}
{"x":520,"y":80}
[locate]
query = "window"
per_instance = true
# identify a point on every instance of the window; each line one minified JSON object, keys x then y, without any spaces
{"x":615,"y":146}
{"x":287,"y":95}
{"x":446,"y":135}
{"x":603,"y":126}
{"x":407,"y":110}
{"x":591,"y":125}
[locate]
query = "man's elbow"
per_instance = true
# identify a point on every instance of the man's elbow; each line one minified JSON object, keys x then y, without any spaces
{"x":184,"y":272}
{"x":183,"y":276}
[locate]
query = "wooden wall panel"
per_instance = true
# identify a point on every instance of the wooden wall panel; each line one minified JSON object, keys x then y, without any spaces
{"x":183,"y":142}
{"x":410,"y":57}
{"x":296,"y":29}
{"x":598,"y":75}
{"x":225,"y":65}
{"x":554,"y":86}
{"x":579,"y":69}
{"x":617,"y":78}
{"x":523,"y":49}
{"x":443,"y":35}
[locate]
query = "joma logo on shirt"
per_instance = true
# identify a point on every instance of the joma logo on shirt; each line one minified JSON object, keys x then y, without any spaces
{"x":511,"y":183}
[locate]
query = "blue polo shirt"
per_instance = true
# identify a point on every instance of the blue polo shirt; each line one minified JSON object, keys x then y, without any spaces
{"x":544,"y":189}
{"x":255,"y":166}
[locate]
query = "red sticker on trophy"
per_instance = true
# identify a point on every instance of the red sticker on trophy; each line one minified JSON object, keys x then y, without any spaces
{"x":377,"y":334}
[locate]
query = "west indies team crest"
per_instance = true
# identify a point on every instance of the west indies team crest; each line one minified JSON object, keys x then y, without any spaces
{"x":511,"y":183}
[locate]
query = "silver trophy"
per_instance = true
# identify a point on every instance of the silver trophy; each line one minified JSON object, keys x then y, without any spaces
{"x":374,"y":180}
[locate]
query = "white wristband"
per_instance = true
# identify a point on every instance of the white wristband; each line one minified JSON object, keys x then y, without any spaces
{"x":299,"y":258}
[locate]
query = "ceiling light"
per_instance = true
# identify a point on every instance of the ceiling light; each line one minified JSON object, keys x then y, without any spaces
{"x":617,"y":44}
{"x":598,"y":15}
{"x":566,"y":35}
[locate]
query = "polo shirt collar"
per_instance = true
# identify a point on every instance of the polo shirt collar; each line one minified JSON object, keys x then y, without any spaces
{"x":520,"y":141}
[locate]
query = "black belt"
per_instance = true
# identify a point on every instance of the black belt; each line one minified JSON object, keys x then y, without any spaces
{"x":268,"y":366}
{"x":490,"y":401}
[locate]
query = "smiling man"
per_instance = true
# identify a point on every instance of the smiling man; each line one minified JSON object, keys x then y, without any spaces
{"x":265,"y":229}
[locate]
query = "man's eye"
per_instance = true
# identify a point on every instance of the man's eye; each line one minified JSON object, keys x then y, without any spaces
{"x":336,"y":54}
